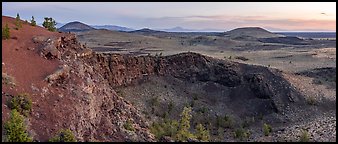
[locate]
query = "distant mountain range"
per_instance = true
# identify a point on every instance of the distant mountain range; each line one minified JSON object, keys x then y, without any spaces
{"x":108,"y":27}
{"x":113,"y":27}
{"x":180,"y":29}
{"x":121,"y":28}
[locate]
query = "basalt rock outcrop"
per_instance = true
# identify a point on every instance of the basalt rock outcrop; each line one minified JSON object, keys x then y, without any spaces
{"x":123,"y":70}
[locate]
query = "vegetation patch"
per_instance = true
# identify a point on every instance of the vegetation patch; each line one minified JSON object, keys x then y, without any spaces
{"x":49,"y":24}
{"x":304,"y":137}
{"x":8,"y":80}
{"x":203,"y":110}
{"x":5,"y":34}
{"x":202,"y":134}
{"x":129,"y":125}
{"x":311,"y":100}
{"x":267,"y":129}
{"x":15,"y":128}
{"x":33,"y":22}
{"x":22,"y":103}
{"x":18,"y":22}
{"x":225,"y":122}
{"x":164,"y":128}
{"x":241,"y":133}
{"x":64,"y":135}
{"x":180,"y":130}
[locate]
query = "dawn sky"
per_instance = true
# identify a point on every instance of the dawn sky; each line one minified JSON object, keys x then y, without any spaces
{"x":301,"y":16}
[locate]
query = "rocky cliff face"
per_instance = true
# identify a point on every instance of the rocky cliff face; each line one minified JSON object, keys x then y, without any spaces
{"x":123,"y":70}
{"x":88,"y":80}
{"x":98,"y":113}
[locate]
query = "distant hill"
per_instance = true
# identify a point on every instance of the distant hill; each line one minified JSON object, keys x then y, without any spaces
{"x":309,"y":34}
{"x":178,"y":29}
{"x":254,"y":32}
{"x":146,"y":31}
{"x":75,"y":27}
{"x":284,"y":40}
{"x":112,"y":27}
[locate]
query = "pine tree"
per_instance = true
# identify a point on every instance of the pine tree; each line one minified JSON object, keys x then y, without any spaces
{"x":202,"y":134}
{"x":15,"y":129}
{"x":183,"y":133}
{"x":33,"y":22}
{"x":49,"y":23}
{"x":5,"y":32}
{"x":18,"y":22}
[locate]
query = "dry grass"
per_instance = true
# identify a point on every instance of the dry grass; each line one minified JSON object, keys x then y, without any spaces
{"x":8,"y":80}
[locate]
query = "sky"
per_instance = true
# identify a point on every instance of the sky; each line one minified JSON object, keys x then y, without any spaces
{"x":223,"y":16}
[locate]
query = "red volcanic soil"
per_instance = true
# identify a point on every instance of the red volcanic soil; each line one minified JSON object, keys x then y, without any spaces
{"x":29,"y":69}
{"x":26,"y":66}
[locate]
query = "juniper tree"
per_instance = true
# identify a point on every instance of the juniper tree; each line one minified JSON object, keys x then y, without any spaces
{"x":33,"y":22}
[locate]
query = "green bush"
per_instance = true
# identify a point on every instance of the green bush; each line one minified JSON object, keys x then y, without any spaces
{"x":304,"y":136}
{"x":49,"y":24}
{"x":179,"y":131}
{"x":129,"y":125}
{"x":225,"y":122}
{"x":15,"y":129}
{"x":22,"y":103}
{"x":64,"y":135}
{"x":311,"y":100}
{"x":241,"y":134}
{"x":202,"y":134}
{"x":165,"y":128}
{"x":5,"y":32}
{"x":267,"y":129}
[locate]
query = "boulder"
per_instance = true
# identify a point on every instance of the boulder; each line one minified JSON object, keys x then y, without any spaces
{"x":39,"y":39}
{"x":59,"y":75}
{"x":50,"y":52}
